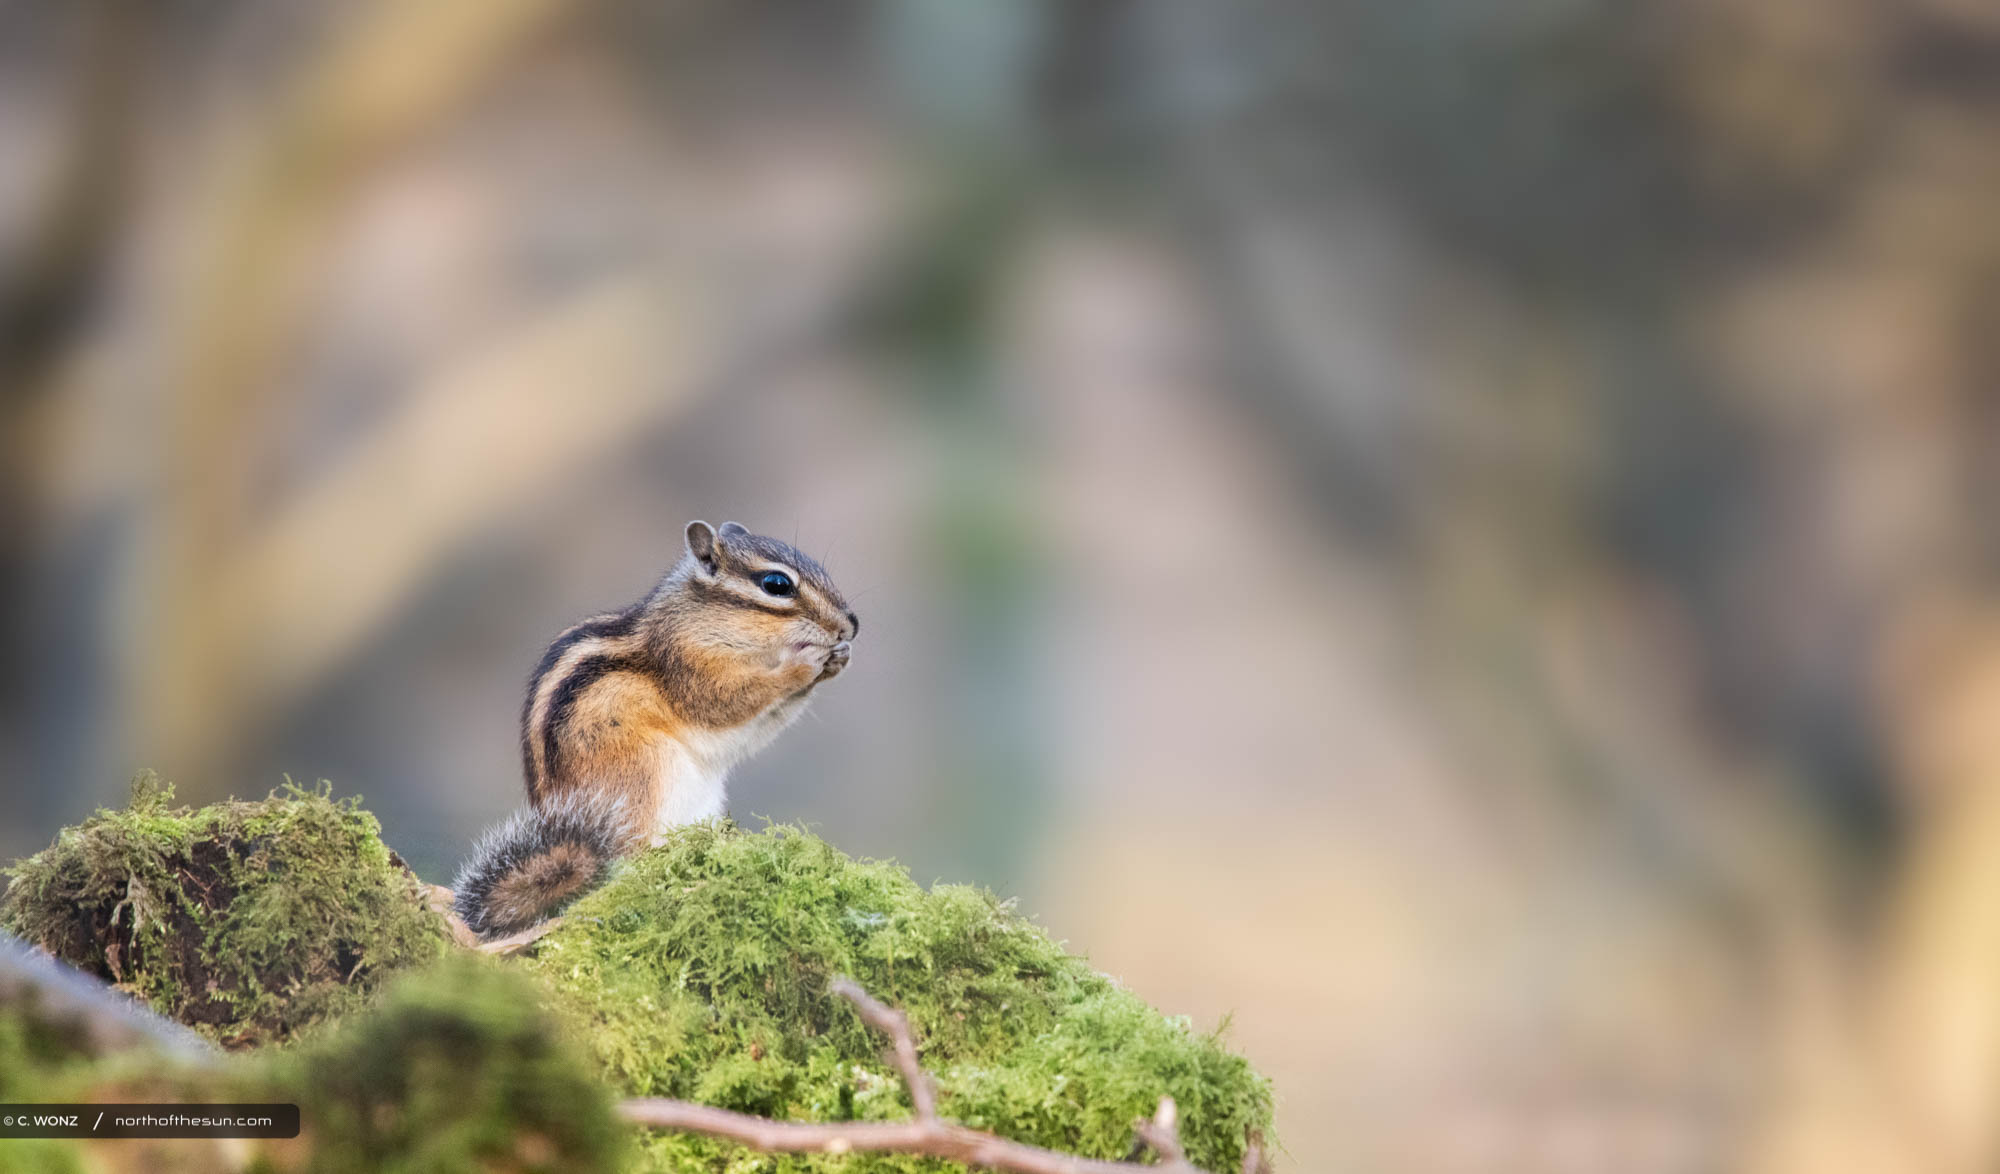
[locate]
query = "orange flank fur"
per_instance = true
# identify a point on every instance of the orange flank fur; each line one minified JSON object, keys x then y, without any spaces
{"x":612,"y":742}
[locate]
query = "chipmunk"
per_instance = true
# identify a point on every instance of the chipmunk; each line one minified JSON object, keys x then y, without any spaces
{"x":633,"y":719}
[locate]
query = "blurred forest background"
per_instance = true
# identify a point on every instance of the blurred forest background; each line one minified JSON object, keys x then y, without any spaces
{"x":1457,"y":537}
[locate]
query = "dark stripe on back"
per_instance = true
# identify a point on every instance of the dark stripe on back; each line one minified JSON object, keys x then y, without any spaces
{"x":622,"y":624}
{"x":587,"y":672}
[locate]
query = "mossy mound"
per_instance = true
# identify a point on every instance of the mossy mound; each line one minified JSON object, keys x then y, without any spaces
{"x":701,"y":972}
{"x":454,"y":1070}
{"x":36,"y":1049}
{"x":249,"y":921}
{"x":37,"y":1054}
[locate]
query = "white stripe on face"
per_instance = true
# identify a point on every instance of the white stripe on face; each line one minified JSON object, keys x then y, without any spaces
{"x":753,"y":592}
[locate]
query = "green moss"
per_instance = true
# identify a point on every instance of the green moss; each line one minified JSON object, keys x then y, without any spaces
{"x":456,"y":1070}
{"x":38,"y":1156}
{"x":701,"y":972}
{"x":34,"y":1050}
{"x":47,"y":1056}
{"x":249,"y":921}
{"x":34,"y":1056}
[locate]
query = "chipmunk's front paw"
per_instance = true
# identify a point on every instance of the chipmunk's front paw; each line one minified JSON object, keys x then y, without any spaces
{"x":836,"y":660}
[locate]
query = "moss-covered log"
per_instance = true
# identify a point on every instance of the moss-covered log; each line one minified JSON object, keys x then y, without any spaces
{"x":248,"y":921}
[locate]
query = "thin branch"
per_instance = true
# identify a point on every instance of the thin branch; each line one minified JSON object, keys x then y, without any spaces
{"x":516,"y":942}
{"x":896,"y":1025}
{"x":443,"y":901}
{"x":933,"y":1139}
{"x":926,"y":1134}
{"x":1253,"y":1155}
{"x":1162,"y":1133}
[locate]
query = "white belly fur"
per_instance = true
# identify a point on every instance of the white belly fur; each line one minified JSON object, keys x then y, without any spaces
{"x":693,"y":769}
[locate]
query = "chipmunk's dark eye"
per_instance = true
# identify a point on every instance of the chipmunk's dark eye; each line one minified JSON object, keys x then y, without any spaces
{"x":777,"y":583}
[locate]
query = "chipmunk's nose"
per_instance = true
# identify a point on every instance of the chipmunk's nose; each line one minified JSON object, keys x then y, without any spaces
{"x":853,"y":625}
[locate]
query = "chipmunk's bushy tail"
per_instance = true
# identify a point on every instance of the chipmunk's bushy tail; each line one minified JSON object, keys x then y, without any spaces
{"x":531,"y":867}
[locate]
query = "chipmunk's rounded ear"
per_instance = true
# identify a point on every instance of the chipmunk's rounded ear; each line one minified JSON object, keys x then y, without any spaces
{"x":701,"y":544}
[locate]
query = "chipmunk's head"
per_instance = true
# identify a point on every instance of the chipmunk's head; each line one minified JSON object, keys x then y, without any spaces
{"x":765,"y":603}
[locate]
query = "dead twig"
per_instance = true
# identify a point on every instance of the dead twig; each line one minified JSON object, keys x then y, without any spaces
{"x":926,"y":1133}
{"x":1253,"y":1155}
{"x":903,"y":1045}
{"x":514,"y":943}
{"x":1163,"y":1133}
{"x":444,"y":902}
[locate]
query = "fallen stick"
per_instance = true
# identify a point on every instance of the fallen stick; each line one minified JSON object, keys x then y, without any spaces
{"x":926,"y":1133}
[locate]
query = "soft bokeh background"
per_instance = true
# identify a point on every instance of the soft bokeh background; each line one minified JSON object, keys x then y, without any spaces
{"x":1456,"y":537}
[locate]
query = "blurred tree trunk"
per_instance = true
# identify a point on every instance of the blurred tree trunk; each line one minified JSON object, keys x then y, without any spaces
{"x":45,"y":299}
{"x":397,"y":70}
